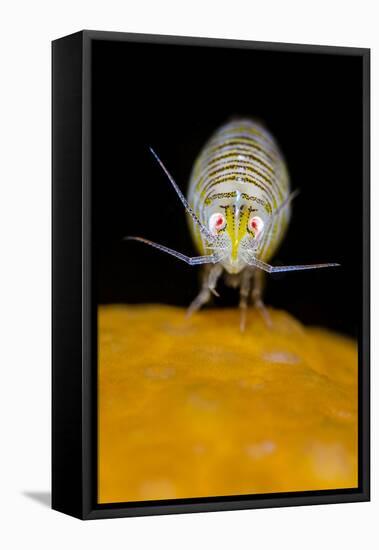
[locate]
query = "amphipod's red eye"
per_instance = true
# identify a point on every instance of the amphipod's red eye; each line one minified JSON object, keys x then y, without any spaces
{"x":216,"y":222}
{"x":256,"y":225}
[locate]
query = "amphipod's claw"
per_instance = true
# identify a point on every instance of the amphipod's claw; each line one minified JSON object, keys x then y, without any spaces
{"x":264,"y":313}
{"x":201,"y":299}
{"x":243,"y":320}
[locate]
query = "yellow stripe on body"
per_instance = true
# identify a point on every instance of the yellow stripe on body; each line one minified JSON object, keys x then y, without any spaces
{"x":236,"y":234}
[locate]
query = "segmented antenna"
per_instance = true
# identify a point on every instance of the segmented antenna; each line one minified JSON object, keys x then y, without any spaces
{"x":283,"y":268}
{"x":209,"y":259}
{"x":189,"y":210}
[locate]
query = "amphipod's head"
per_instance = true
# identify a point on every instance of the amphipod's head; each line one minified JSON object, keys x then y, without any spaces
{"x":239,"y":229}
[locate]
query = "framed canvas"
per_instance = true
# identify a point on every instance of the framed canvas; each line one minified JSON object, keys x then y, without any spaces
{"x":203,"y":359}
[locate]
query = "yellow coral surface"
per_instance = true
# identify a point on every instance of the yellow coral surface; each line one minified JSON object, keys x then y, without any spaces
{"x":193,"y":407}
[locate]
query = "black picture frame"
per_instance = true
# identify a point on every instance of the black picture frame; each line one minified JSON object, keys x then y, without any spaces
{"x":74,"y":330}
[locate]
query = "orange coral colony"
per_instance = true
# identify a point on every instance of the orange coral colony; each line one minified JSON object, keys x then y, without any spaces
{"x":195,"y":408}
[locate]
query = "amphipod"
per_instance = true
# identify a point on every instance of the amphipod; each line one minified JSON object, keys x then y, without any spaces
{"x":239,"y":207}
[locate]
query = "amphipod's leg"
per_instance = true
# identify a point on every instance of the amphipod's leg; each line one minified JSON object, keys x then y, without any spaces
{"x":256,"y":296}
{"x":210,"y":278}
{"x":245,"y":285}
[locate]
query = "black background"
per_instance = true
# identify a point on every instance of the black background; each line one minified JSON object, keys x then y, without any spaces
{"x":173,"y":97}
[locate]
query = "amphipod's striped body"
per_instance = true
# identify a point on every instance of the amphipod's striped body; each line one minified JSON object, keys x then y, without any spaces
{"x":241,"y":174}
{"x":239,"y":206}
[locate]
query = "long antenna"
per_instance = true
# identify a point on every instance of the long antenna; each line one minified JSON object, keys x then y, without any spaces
{"x":196,"y":260}
{"x":284,"y":268}
{"x":189,"y":210}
